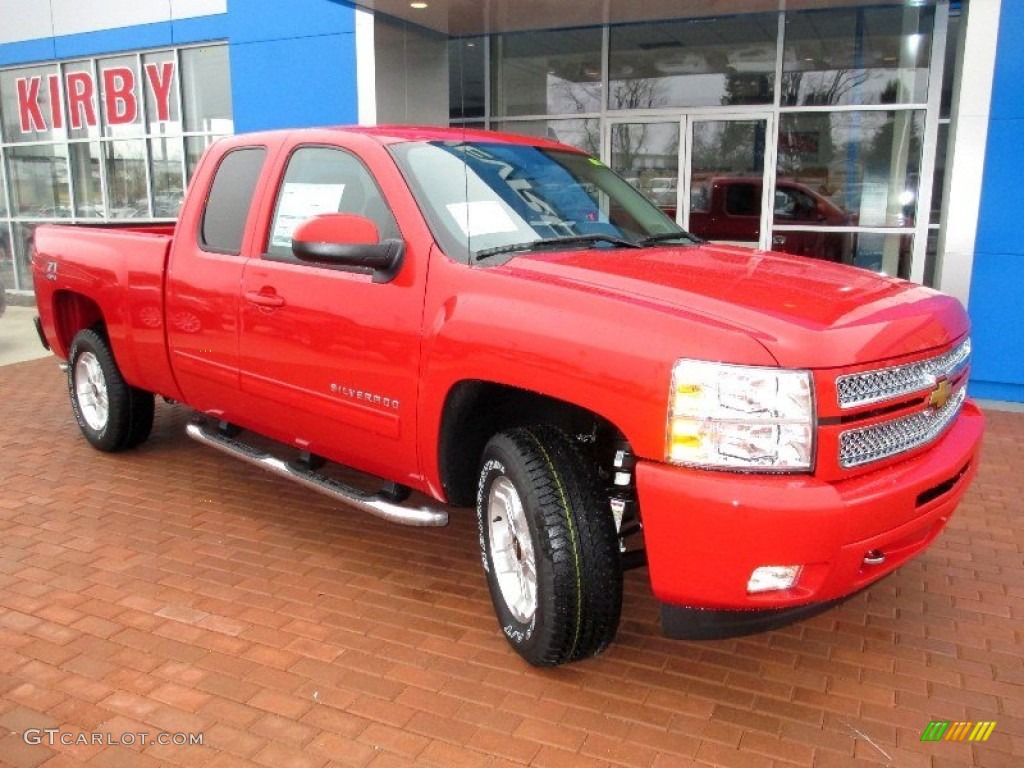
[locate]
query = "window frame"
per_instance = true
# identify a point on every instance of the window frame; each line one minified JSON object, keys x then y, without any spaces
{"x":200,"y":233}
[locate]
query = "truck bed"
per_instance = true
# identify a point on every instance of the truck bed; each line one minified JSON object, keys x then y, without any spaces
{"x":115,"y":272}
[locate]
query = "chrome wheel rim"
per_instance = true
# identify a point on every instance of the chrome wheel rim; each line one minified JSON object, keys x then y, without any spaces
{"x":91,"y":391}
{"x":515,"y":565}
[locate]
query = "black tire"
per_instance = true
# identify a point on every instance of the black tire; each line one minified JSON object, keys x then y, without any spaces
{"x":143,"y":410}
{"x":575,"y":551}
{"x":112,"y":414}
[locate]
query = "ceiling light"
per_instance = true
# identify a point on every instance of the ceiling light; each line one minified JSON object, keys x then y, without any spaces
{"x":418,"y":6}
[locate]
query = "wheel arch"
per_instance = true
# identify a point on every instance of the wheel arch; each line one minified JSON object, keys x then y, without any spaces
{"x":475,"y":410}
{"x":73,"y":312}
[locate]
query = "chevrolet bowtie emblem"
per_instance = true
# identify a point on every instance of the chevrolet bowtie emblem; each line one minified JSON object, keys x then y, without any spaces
{"x":941,"y":394}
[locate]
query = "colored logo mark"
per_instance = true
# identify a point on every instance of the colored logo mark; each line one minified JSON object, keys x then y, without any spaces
{"x":944,"y":730}
{"x":941,"y":394}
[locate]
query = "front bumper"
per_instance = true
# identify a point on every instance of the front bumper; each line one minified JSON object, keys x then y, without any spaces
{"x":705,"y":532}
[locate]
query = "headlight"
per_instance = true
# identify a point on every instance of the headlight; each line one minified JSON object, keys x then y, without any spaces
{"x":739,"y":417}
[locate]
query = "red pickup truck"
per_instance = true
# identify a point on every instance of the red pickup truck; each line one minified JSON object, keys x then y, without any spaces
{"x":729,"y":208}
{"x":503,"y":321}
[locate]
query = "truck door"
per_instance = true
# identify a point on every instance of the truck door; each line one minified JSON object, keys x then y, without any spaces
{"x":738,"y":217}
{"x":331,"y":356}
{"x":201,"y":312}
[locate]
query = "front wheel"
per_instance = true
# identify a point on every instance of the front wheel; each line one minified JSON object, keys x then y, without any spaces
{"x":112,"y":414}
{"x":549,"y":547}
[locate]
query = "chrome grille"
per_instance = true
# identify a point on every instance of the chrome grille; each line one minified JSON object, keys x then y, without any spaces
{"x":858,"y":389}
{"x":880,"y":441}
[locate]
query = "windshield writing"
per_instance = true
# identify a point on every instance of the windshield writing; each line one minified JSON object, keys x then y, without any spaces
{"x":485,"y":199}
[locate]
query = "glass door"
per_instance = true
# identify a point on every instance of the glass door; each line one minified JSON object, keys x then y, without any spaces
{"x":724,"y":179}
{"x":646,"y":154}
{"x":707,"y":172}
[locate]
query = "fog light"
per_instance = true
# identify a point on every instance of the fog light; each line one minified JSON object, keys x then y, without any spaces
{"x":771,"y":577}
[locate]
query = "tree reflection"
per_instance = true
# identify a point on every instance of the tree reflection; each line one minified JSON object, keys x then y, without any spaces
{"x":630,"y":140}
{"x":821,"y":89}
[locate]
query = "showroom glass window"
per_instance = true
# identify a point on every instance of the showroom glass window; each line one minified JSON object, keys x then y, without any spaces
{"x":696,"y":63}
{"x":849,"y":109}
{"x":860,"y":158}
{"x":110,"y":138}
{"x":857,"y":56}
{"x":547,"y":73}
{"x":467,"y":71}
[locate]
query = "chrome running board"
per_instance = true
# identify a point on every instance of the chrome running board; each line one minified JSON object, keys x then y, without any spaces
{"x":376,"y":504}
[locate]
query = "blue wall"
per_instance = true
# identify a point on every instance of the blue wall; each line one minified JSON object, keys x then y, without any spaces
{"x":197,"y":30}
{"x":292,"y":63}
{"x":996,"y":302}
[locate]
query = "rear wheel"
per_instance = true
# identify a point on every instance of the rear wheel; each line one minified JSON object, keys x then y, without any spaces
{"x":549,"y":547}
{"x":111,"y":414}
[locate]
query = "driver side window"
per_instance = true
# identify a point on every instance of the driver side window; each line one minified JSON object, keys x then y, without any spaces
{"x":322,"y":180}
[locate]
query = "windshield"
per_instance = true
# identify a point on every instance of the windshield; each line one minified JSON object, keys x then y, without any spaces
{"x":486,"y":199}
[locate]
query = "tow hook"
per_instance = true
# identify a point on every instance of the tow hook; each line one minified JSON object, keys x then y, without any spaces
{"x":874,"y":557}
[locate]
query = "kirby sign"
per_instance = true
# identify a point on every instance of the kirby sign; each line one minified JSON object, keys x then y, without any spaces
{"x":121,"y":93}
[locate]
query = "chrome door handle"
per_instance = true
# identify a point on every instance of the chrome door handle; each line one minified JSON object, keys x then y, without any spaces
{"x":264,"y":299}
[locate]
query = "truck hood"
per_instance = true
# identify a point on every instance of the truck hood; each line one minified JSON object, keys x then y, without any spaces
{"x":807,"y":313}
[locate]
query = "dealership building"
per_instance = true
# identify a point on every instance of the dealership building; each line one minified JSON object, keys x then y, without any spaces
{"x":882,"y":134}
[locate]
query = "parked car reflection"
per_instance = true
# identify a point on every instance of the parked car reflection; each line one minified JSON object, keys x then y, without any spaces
{"x":728,"y":208}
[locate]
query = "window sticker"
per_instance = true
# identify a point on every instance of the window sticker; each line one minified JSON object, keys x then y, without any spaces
{"x":482,"y":217}
{"x":299,"y":202}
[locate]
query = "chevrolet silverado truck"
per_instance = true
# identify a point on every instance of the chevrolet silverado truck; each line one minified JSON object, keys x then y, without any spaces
{"x":503,"y":321}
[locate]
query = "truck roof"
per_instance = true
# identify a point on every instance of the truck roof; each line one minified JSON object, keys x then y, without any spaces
{"x":397,"y":134}
{"x":391,"y":134}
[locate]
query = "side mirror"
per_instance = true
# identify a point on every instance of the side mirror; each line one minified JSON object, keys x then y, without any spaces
{"x":347,"y":240}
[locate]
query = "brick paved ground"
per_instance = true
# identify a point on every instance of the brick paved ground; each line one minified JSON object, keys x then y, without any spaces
{"x":173,"y":589}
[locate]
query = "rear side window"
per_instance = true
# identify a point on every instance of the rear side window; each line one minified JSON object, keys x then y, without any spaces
{"x":227,"y":206}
